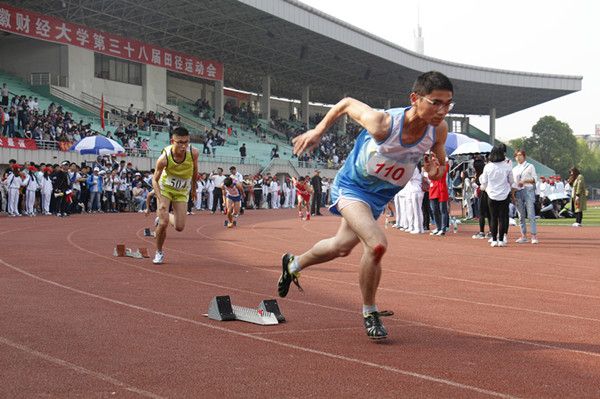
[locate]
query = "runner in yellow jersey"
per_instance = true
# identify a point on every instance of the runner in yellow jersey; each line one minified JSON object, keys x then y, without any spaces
{"x":176,"y":173}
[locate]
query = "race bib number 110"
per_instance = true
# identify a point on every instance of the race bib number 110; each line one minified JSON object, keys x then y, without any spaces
{"x":389,"y":170}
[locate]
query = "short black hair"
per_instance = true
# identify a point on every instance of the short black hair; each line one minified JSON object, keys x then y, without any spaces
{"x":497,"y":153}
{"x":180,"y":131}
{"x":228,"y":182}
{"x":430,"y":81}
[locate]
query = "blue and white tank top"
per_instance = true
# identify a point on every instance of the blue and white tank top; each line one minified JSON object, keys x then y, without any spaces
{"x":377,"y":171}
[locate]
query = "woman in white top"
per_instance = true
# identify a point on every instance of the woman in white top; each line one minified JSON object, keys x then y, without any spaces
{"x":525,"y":179}
{"x":497,"y":181}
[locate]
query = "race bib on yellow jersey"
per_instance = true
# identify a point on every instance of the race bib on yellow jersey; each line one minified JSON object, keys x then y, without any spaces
{"x":389,"y":170}
{"x":177,"y":183}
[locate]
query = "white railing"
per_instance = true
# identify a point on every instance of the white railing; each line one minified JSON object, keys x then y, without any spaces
{"x":39,"y":78}
{"x":47,"y":79}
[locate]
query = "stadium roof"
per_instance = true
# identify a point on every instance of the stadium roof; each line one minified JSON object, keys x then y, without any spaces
{"x":298,"y":46}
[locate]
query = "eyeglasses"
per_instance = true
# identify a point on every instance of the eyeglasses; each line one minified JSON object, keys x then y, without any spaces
{"x":439,"y":104}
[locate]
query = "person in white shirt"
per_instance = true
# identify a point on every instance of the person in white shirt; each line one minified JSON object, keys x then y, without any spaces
{"x":31,"y":186}
{"x":218,"y":179}
{"x":559,"y":186}
{"x":497,"y":181}
{"x":210,"y":188}
{"x":46,"y":190}
{"x":15,"y":182}
{"x":274,"y":189}
{"x":200,"y":189}
{"x":414,"y":203}
{"x":525,"y":179}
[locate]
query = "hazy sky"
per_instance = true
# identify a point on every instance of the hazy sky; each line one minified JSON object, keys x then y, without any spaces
{"x":556,"y":37}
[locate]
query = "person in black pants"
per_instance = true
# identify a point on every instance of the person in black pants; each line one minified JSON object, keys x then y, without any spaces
{"x":317,"y":184}
{"x":218,"y":179}
{"x":60,"y":183}
{"x":497,"y":181}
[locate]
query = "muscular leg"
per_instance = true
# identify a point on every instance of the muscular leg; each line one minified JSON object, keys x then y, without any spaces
{"x":163,"y":221}
{"x":357,"y":226}
{"x":177,"y":218}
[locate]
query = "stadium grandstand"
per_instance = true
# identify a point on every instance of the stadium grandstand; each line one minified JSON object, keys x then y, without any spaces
{"x":250,"y":72}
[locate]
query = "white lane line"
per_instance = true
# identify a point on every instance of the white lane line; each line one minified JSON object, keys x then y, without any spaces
{"x":335,"y":356}
{"x":79,"y":369}
{"x":395,"y":319}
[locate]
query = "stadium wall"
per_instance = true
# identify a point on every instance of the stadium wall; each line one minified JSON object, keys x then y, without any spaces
{"x":22,"y":56}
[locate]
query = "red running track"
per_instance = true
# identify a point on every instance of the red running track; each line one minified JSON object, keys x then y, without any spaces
{"x":470,"y":321}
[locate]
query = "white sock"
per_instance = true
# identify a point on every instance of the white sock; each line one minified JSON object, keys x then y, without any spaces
{"x":369,"y":309}
{"x":294,"y":267}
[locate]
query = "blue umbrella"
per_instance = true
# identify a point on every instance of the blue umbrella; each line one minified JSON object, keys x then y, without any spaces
{"x":98,"y":145}
{"x":456,"y":139}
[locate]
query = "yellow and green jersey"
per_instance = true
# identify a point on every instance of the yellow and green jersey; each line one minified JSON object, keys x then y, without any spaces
{"x":177,"y":177}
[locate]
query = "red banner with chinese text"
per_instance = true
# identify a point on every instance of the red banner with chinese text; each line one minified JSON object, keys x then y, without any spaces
{"x":21,"y":144}
{"x":44,"y":27}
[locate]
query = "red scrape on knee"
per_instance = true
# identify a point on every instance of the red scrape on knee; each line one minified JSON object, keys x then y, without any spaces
{"x":378,"y":251}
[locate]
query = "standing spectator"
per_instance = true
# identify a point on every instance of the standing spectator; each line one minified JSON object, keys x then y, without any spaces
{"x":31,"y":187}
{"x":218,"y":179}
{"x":14,"y":183}
{"x":46,"y":190}
{"x":60,"y":184}
{"x":497,"y":180}
{"x":438,"y":200}
{"x":274,"y":189}
{"x":579,"y":198}
{"x":4,"y":95}
{"x":95,"y":184}
{"x":525,"y":179}
{"x":317,"y":185}
{"x":243,"y":153}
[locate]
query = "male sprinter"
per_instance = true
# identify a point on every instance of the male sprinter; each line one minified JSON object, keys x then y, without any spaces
{"x":176,"y":172}
{"x":382,"y":161}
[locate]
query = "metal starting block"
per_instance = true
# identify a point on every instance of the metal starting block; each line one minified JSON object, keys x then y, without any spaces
{"x":121,"y":251}
{"x":149,"y":233}
{"x":267,"y":313}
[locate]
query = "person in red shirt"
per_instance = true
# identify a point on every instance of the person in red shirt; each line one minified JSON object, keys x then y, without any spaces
{"x":303,"y":190}
{"x":438,"y":201}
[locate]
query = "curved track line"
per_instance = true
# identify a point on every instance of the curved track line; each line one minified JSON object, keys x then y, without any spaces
{"x":79,"y":369}
{"x":395,"y":290}
{"x":392,"y":257}
{"x":491,"y":256}
{"x":262,"y":295}
{"x":330,"y":355}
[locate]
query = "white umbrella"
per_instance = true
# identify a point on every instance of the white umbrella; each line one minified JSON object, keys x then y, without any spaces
{"x":98,"y":145}
{"x":478,"y":147}
{"x":453,"y":140}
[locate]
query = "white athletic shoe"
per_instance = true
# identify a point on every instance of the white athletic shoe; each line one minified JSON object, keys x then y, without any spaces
{"x":494,"y":244}
{"x":156,"y":221}
{"x":158,"y":258}
{"x":502,"y":244}
{"x":534,"y":240}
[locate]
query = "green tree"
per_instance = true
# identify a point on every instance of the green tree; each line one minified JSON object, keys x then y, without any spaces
{"x":589,"y":161}
{"x":517,"y":143}
{"x":552,"y":143}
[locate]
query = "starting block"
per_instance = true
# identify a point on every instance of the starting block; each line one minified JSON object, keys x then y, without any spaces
{"x":149,"y":233}
{"x":267,"y":313}
{"x":121,"y":251}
